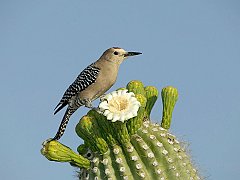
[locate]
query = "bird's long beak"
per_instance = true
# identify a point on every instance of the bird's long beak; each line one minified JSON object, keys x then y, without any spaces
{"x":131,"y":54}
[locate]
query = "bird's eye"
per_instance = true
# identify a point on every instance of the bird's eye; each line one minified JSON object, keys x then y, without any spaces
{"x":115,"y":53}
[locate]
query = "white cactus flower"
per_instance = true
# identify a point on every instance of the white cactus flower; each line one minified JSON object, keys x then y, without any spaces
{"x":119,"y":105}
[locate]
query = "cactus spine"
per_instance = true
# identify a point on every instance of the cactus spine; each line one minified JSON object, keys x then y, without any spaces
{"x":133,"y":149}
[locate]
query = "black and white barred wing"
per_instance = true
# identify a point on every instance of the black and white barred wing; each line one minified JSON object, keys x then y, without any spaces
{"x":87,"y":77}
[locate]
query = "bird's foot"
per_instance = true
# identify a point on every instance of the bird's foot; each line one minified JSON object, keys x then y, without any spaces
{"x":87,"y":103}
{"x":102,"y":97}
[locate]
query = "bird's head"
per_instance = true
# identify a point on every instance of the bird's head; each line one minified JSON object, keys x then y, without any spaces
{"x":117,"y":55}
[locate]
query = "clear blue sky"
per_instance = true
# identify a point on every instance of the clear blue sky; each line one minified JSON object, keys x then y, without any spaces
{"x":192,"y":45}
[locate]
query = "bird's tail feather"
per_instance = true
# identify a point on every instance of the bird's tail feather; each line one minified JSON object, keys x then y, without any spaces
{"x":64,"y":123}
{"x":59,"y":107}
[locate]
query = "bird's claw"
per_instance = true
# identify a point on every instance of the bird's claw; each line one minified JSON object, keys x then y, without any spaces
{"x":102,"y":97}
{"x":87,"y":103}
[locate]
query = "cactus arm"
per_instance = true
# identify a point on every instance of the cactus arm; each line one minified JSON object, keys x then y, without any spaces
{"x":136,"y":87}
{"x":169,"y":99}
{"x":55,"y":151}
{"x":87,"y":129}
{"x":151,"y":95}
{"x":121,"y":132}
{"x":105,"y":127}
{"x":135,"y":123}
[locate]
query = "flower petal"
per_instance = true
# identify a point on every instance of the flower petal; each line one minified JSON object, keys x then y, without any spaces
{"x":106,"y":112}
{"x":119,"y":92}
{"x":110,"y":116}
{"x":116,"y":117}
{"x":135,"y":108}
{"x":104,"y":105}
{"x":134,"y":114}
{"x":131,"y":94}
{"x":122,"y":117}
{"x":108,"y":97}
{"x":124,"y":92}
{"x":114,"y":93}
{"x":128,"y":115}
{"x":119,"y":105}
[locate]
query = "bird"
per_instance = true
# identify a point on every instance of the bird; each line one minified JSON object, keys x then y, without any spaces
{"x":91,"y":83}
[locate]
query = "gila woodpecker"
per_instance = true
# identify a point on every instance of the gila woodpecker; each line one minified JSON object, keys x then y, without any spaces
{"x":91,"y":83}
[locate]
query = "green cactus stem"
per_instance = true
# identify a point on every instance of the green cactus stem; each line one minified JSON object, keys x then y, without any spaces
{"x":136,"y":87}
{"x":169,"y":99}
{"x":151,"y":95}
{"x":55,"y":151}
{"x":88,"y":129}
{"x":128,"y":148}
{"x":135,"y":123}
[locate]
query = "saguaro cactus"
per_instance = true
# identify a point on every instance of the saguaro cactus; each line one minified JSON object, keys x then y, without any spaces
{"x":120,"y":141}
